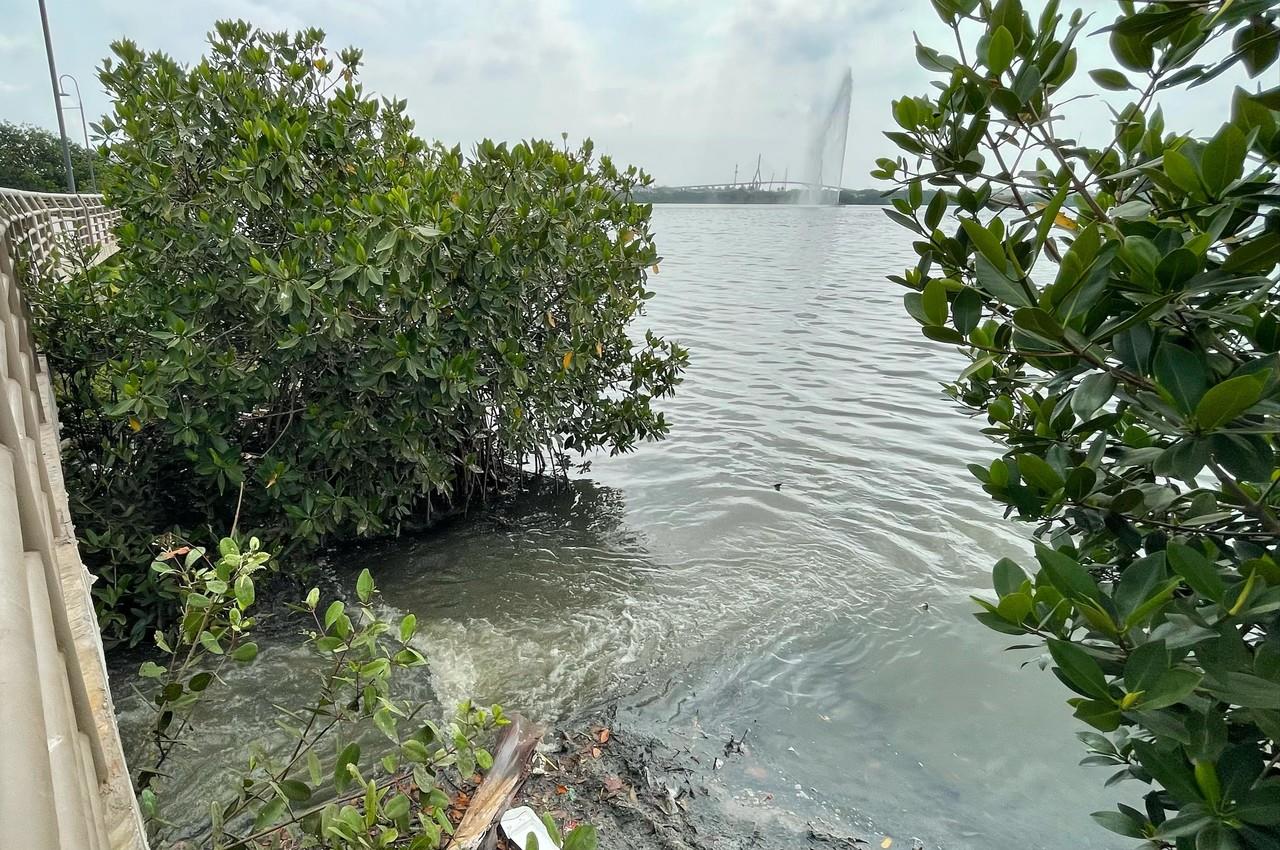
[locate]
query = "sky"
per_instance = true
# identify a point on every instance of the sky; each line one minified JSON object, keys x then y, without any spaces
{"x":686,"y":89}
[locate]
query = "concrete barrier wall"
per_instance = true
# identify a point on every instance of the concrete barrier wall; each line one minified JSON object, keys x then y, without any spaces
{"x":65,"y":785}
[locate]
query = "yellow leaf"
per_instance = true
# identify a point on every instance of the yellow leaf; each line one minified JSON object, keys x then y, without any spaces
{"x":1066,"y":222}
{"x":654,"y":269}
{"x":599,"y":349}
{"x":135,"y":424}
{"x":551,"y":320}
{"x":568,"y":359}
{"x":272,"y":480}
{"x":887,"y":843}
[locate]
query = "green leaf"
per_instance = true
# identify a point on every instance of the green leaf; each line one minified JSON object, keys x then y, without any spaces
{"x":1201,"y":576}
{"x":364,"y":587}
{"x":1007,"y":577}
{"x":1182,"y":373}
{"x":1049,"y":215}
{"x":987,"y":243}
{"x":937,"y":208}
{"x":1269,"y":98}
{"x":1146,"y":664}
{"x":1138,"y":582}
{"x":1015,"y":607}
{"x":416,"y":751}
{"x":1243,"y":689}
{"x":1093,"y":391}
{"x":314,"y":770}
{"x":1111,"y":80}
{"x":1171,"y":688}
{"x":408,"y":626}
{"x":1040,"y":475}
{"x":244,"y":591}
{"x":269,"y":814}
{"x":1258,"y":255}
{"x":941,"y":334}
{"x":1223,"y":160}
{"x":296,"y":790}
{"x":1180,"y":170}
{"x":334,"y":611}
{"x":1035,"y":321}
{"x":1170,"y":769}
{"x":1079,"y":669}
{"x":210,"y":643}
{"x":1223,"y":402}
{"x":1102,"y":715}
{"x":966,"y":310}
{"x":582,"y":837}
{"x":1261,"y":805}
{"x":1071,"y":580}
{"x":1119,"y":823}
{"x":935,"y":302}
{"x":999,"y":51}
{"x":245,"y":652}
{"x":1141,"y":256}
{"x":151,"y":670}
{"x":999,"y":285}
{"x":1132,"y":50}
{"x":341,"y":775}
{"x":1177,"y":268}
{"x":1258,"y":44}
{"x":386,"y":723}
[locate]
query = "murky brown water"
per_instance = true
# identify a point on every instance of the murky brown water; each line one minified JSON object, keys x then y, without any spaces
{"x":681,"y":580}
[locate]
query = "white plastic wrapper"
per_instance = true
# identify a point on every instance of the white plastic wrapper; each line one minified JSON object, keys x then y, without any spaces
{"x":517,"y":823}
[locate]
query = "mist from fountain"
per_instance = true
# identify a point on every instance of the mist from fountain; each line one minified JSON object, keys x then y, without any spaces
{"x":824,"y":161}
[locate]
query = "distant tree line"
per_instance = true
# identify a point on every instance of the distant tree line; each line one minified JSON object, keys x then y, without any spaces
{"x":31,"y":159}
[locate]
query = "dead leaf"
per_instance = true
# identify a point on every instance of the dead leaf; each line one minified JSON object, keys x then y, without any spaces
{"x":604,"y":735}
{"x":595,"y":752}
{"x":654,"y":269}
{"x":562,"y":789}
{"x":173,"y":553}
{"x":551,"y":320}
{"x":613,"y":784}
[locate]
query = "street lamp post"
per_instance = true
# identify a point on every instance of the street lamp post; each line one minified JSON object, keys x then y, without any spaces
{"x":84,"y":127}
{"x":57,"y":101}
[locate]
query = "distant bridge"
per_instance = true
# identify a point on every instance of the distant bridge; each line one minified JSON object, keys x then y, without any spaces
{"x":762,"y":186}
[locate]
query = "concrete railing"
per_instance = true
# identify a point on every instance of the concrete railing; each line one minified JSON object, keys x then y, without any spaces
{"x":40,"y":224}
{"x":65,"y":785}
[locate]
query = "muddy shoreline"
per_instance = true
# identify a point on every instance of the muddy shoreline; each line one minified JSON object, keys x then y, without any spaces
{"x":640,"y":792}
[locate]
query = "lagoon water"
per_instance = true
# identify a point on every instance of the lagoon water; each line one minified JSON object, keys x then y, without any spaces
{"x":828,"y":618}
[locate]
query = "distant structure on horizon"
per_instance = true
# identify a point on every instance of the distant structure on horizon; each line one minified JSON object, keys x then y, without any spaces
{"x":823,"y":173}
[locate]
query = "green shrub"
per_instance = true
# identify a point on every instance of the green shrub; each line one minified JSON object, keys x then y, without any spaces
{"x":327,"y":326}
{"x":1121,"y":314}
{"x":370,"y":793}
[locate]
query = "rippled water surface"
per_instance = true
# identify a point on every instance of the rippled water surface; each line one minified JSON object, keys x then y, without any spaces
{"x":827,"y":617}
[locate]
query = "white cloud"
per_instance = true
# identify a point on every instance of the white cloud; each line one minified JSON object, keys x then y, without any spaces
{"x":684,"y":88}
